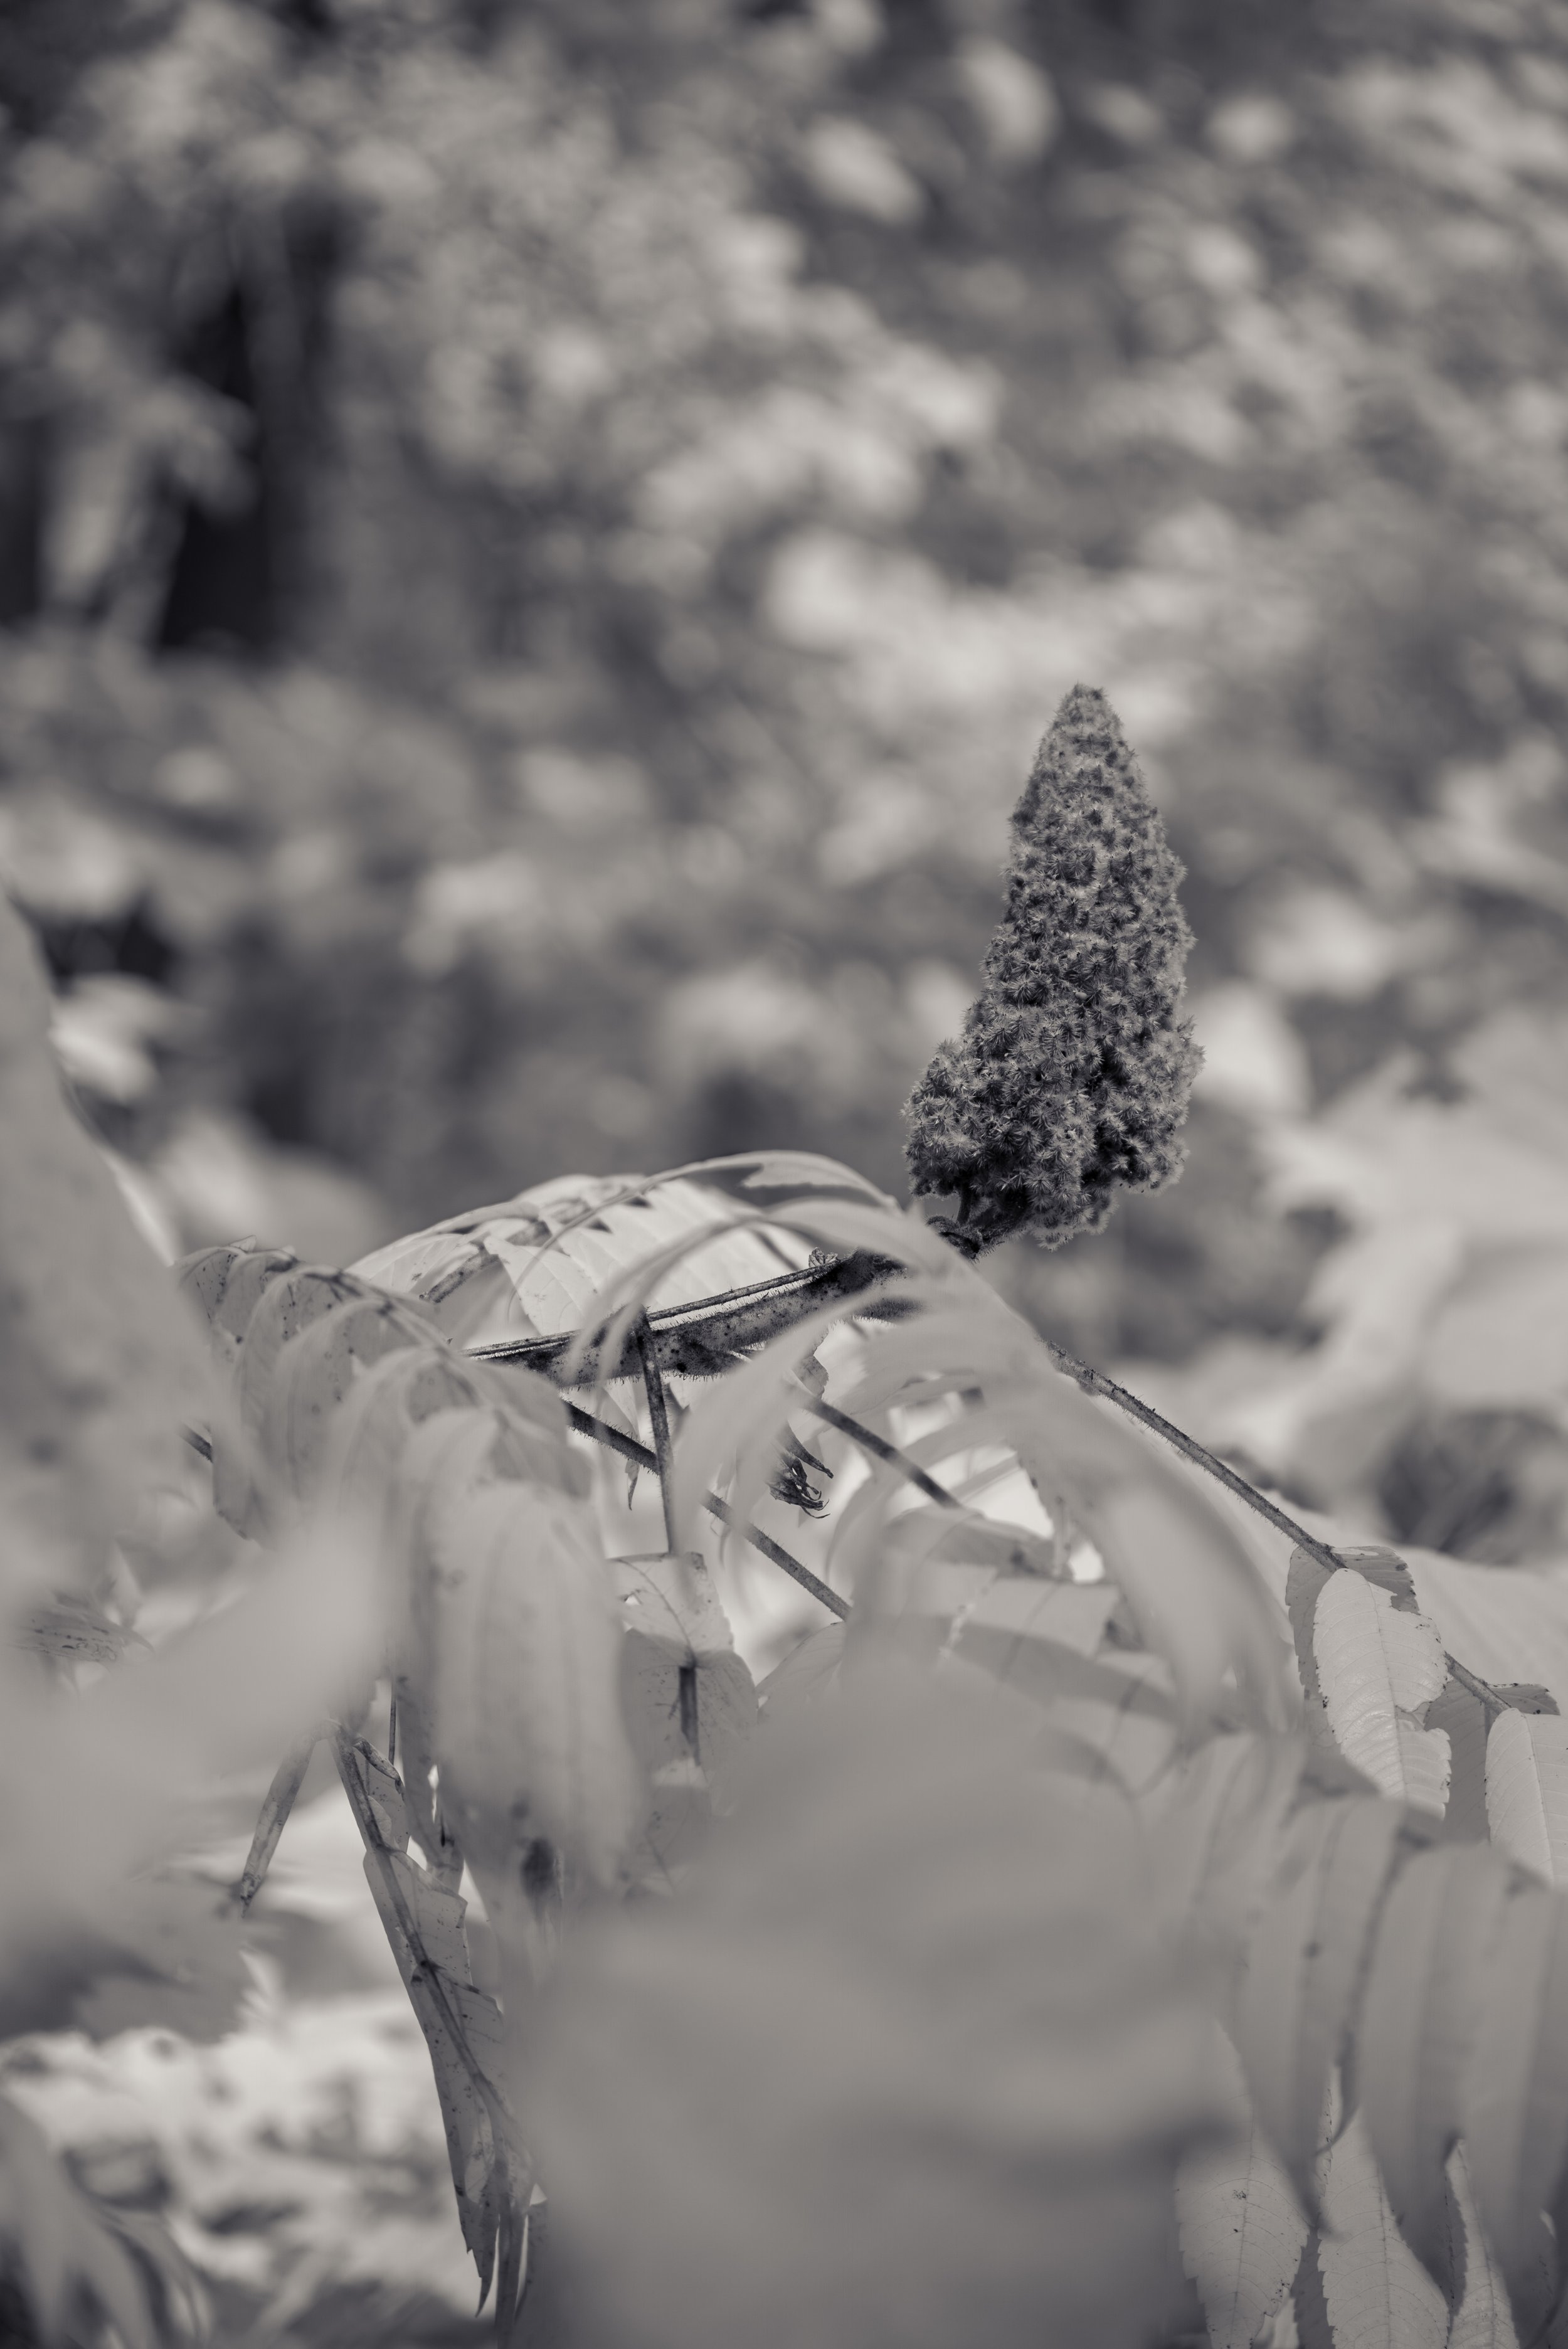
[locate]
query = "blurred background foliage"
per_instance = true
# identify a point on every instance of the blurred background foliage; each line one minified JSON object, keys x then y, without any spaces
{"x":537,"y":538}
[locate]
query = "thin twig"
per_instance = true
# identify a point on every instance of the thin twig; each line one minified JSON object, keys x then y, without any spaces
{"x":777,"y":1552}
{"x":658,"y":1413}
{"x":880,"y":1449}
{"x":630,"y":1449}
{"x":1096,"y":1383}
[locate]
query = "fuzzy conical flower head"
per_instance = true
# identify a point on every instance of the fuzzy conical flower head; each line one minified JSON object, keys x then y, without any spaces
{"x":1074,"y":1069}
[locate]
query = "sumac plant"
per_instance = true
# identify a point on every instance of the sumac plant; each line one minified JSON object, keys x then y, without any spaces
{"x":1121,"y":1919}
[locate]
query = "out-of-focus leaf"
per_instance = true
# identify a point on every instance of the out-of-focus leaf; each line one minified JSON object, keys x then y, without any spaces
{"x":1215,"y":1843}
{"x":100,"y":1361}
{"x":225,"y":1285}
{"x":1527,"y":1791}
{"x":1427,"y":1983}
{"x":528,"y":1725}
{"x":1304,"y":1963}
{"x":183,"y":1941}
{"x":118,"y":1773}
{"x":1376,"y":2289}
{"x":1379,"y":1669}
{"x":1516,"y":2095}
{"x":372,"y":1426}
{"x":283,"y":1792}
{"x":287,"y":1306}
{"x":64,"y":2252}
{"x":1459,"y":1713}
{"x":1242,"y":2227}
{"x":808,"y":1673}
{"x":967,"y":2067}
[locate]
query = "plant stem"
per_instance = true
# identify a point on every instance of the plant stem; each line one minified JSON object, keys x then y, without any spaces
{"x":630,"y":1449}
{"x":1095,"y":1382}
{"x":658,"y":1413}
{"x":880,"y":1449}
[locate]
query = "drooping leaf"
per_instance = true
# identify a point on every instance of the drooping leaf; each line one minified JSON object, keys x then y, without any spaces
{"x":286,"y":1306}
{"x":685,"y":1694}
{"x":1242,"y":2226}
{"x":1483,"y":2319}
{"x":1380,"y":1668}
{"x":1215,"y":1844}
{"x":225,"y":1285}
{"x":1013,"y":1611}
{"x":1527,"y":1791}
{"x":528,"y":1734}
{"x":313,"y":1373}
{"x":277,"y":1806}
{"x":71,"y":1629}
{"x":372,"y":1426}
{"x":1377,"y":2293}
{"x":1425,"y":1987}
{"x":1305,"y":1966}
{"x":1516,"y":2095}
{"x":1507,"y":1623}
{"x":1308,"y":2305}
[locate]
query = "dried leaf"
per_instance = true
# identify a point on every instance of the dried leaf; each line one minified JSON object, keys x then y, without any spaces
{"x":1428,"y":1980}
{"x":1378,"y":2294}
{"x":1305,"y":1968}
{"x":1380,"y":1668}
{"x":1243,"y":2228}
{"x":1527,"y":1791}
{"x":808,"y":1673}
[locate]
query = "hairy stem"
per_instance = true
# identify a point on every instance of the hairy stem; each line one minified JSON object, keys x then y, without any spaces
{"x":1095,"y":1382}
{"x":659,"y":1415}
